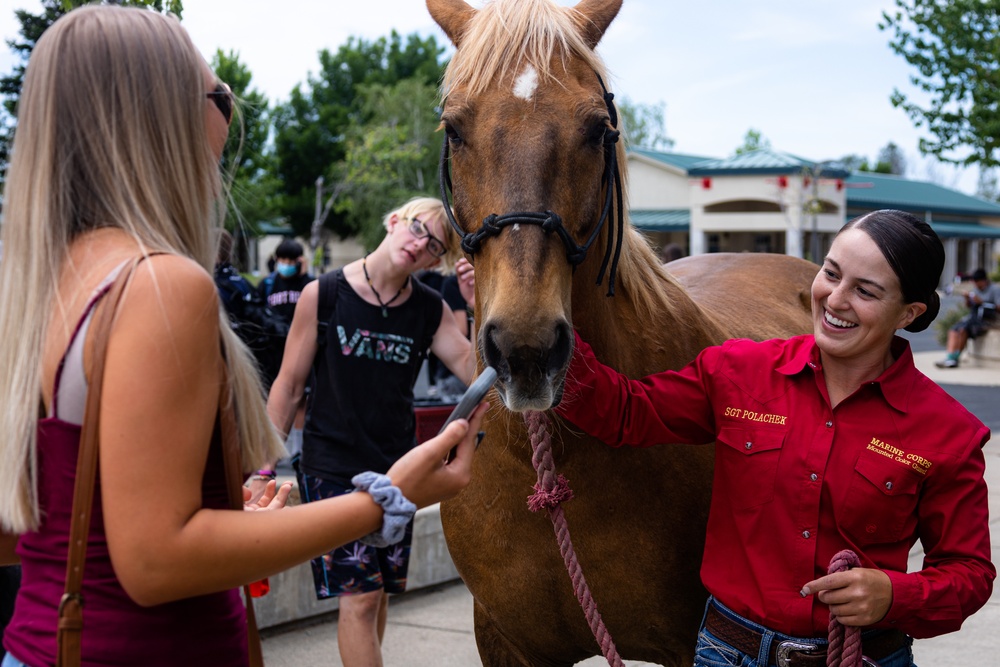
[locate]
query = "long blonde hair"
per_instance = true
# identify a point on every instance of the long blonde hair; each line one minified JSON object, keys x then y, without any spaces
{"x":111,"y":133}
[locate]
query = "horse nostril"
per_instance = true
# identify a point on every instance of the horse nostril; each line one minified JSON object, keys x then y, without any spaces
{"x":491,"y":352}
{"x":561,"y":350}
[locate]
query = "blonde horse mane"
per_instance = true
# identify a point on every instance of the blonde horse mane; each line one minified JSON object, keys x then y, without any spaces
{"x":505,"y":35}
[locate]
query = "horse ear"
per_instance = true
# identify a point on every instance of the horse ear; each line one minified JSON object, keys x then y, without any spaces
{"x":593,"y":17}
{"x":453,"y":16}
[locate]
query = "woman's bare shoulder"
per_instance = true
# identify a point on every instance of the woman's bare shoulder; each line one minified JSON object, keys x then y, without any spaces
{"x":171,"y":293}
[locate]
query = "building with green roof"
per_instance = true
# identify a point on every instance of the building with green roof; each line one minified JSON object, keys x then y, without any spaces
{"x":770,"y":201}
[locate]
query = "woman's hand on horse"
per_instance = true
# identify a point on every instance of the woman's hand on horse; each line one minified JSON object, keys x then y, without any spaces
{"x":857,"y":597}
{"x":273,"y":498}
{"x":428,"y":473}
{"x":466,"y":281}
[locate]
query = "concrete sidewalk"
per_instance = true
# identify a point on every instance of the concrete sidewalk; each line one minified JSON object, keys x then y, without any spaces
{"x":434,"y":627}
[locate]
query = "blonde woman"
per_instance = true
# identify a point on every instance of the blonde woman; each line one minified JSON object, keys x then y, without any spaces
{"x":376,"y":322}
{"x":121,"y":125}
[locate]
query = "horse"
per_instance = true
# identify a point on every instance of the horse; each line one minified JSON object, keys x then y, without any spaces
{"x":533,"y":179}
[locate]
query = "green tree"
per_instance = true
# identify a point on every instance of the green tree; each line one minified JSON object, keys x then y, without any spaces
{"x":854,"y":162}
{"x":891,"y":160}
{"x":392,"y":156}
{"x":955,"y":50}
{"x":645,"y":124}
{"x":247,"y":157}
{"x":312,"y":129}
{"x":753,"y":140}
{"x":32,"y":27}
{"x":987,"y":186}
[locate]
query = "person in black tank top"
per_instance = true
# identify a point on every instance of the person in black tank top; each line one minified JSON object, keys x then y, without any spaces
{"x":363,"y":332}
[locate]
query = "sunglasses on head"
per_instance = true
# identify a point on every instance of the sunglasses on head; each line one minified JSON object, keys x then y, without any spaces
{"x":223,"y":98}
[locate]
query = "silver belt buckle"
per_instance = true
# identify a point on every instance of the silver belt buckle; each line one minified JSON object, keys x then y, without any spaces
{"x":783,"y":653}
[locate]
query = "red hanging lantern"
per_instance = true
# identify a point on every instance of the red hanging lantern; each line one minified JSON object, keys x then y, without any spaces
{"x":840,"y":185}
{"x":706,"y":183}
{"x":782,"y":181}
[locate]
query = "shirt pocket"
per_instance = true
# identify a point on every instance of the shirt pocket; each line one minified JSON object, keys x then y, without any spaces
{"x":881,"y":502}
{"x":747,"y":464}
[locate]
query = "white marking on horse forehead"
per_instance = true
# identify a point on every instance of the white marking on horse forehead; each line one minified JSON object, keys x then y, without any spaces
{"x":516,"y":227}
{"x":526,"y":84}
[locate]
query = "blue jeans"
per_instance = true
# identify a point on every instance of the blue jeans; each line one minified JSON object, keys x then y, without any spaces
{"x":713,"y":652}
{"x":11,"y":661}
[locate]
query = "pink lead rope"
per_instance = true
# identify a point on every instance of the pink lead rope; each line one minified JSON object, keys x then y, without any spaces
{"x":844,"y":642}
{"x":553,"y":489}
{"x":550,"y":491}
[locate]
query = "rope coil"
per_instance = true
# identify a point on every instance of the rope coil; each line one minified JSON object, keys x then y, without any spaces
{"x":844,"y":649}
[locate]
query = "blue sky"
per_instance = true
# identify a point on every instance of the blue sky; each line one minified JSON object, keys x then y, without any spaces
{"x":813,"y":77}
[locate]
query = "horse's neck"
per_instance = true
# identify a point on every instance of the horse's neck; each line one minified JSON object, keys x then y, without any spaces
{"x":637,"y":338}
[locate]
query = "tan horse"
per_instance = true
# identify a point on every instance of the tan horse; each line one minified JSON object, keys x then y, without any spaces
{"x":527,"y":127}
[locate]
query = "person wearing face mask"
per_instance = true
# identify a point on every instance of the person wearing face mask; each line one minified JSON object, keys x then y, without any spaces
{"x":281,"y":289}
{"x":824,"y":443}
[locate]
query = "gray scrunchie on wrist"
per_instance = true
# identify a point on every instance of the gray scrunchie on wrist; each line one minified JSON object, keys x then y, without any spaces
{"x":398,"y":510}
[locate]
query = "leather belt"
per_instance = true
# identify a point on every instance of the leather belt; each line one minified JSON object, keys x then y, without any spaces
{"x":791,"y":653}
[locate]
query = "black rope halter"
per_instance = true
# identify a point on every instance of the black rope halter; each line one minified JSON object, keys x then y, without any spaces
{"x":550,"y":222}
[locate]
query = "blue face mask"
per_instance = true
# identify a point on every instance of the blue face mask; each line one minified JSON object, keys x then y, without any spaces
{"x":287,"y":270}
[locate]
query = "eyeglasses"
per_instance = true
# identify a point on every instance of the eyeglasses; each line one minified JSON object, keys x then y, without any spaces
{"x":434,"y":245}
{"x":223,"y":98}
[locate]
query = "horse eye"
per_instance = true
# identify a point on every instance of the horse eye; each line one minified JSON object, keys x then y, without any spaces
{"x":453,"y":137}
{"x":595,"y":134}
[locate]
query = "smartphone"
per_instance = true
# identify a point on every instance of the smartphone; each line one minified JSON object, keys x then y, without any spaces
{"x":472,"y":397}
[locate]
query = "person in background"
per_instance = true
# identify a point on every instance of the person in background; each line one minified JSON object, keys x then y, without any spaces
{"x":280,"y":290}
{"x":115,"y":167}
{"x":982,"y":302}
{"x":362,"y":332}
{"x":446,"y":384}
{"x":260,"y":328}
{"x":670,"y":252}
{"x":826,"y":442}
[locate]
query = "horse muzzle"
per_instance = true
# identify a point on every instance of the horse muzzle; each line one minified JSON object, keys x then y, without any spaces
{"x":530,"y":370}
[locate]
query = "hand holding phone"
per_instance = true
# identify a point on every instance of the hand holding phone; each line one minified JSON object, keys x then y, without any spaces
{"x":472,"y":397}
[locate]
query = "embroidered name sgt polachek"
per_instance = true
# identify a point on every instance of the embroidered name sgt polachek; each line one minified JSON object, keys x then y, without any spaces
{"x":750,"y":415}
{"x":376,"y":346}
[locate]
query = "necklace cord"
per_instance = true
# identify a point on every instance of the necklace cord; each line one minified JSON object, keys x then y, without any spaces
{"x":378,"y":297}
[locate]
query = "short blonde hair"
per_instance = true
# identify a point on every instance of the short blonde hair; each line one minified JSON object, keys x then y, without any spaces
{"x":422,"y":206}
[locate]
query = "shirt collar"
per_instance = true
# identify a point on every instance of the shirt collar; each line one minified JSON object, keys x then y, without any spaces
{"x":895,"y":382}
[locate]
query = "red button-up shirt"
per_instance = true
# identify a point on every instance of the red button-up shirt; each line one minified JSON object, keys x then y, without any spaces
{"x":796,"y":481}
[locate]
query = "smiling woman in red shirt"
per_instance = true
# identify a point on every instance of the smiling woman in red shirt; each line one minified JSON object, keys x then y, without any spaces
{"x":823,"y":442}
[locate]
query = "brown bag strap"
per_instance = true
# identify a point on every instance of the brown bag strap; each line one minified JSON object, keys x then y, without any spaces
{"x":233,"y":463}
{"x":71,"y":605}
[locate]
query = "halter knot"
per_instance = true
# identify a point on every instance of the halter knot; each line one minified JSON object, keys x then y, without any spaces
{"x":608,"y":100}
{"x":551,"y":223}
